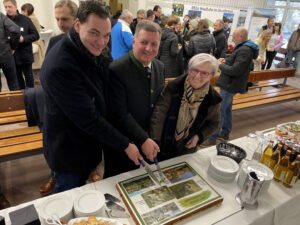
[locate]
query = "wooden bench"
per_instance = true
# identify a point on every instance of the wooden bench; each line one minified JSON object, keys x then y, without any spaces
{"x":259,"y":98}
{"x":20,"y":143}
{"x":266,"y":78}
{"x":12,"y":107}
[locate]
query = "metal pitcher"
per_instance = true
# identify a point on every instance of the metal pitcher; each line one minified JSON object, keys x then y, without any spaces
{"x":247,"y":198}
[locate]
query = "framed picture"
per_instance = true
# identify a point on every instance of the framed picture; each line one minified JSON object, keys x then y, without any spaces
{"x":182,"y":192}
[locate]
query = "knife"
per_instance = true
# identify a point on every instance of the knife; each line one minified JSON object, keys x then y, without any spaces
{"x":162,"y":178}
{"x":149,"y":171}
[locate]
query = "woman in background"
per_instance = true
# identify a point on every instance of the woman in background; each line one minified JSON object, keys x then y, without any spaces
{"x":262,"y":42}
{"x":274,"y":45}
{"x":38,"y":46}
{"x":187,"y":112}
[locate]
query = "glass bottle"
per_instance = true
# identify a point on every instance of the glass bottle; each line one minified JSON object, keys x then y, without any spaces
{"x":292,"y":173}
{"x":275,"y":158}
{"x":282,"y":166}
{"x":268,"y":152}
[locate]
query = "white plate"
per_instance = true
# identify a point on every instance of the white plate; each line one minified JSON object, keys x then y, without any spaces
{"x":89,"y":202}
{"x":59,"y":206}
{"x":224,"y":165}
{"x":110,"y":221}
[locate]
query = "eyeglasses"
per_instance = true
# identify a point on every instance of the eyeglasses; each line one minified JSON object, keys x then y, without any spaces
{"x":195,"y":72}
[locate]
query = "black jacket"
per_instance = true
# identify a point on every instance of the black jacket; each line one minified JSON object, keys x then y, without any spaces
{"x":54,"y":40}
{"x":168,"y":52}
{"x":165,"y":116}
{"x":235,"y":71}
{"x":202,"y":42}
{"x":23,"y":53}
{"x":221,"y":44}
{"x":133,"y":25}
{"x":132,"y":99}
{"x":75,"y":127}
{"x":9,"y":37}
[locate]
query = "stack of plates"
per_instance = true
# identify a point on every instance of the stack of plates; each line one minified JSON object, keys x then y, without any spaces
{"x":223,"y":169}
{"x":261,"y":171}
{"x":58,"y":207}
{"x":89,"y":203}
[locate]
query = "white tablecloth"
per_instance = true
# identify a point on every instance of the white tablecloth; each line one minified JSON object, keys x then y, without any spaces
{"x":279,"y":206}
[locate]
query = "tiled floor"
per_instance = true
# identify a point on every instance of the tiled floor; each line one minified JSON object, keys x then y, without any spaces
{"x":20,"y":179}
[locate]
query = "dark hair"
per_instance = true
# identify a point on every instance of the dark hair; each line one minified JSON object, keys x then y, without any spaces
{"x":155,"y":8}
{"x":279,"y":25}
{"x":87,"y":8}
{"x":270,"y":18}
{"x":14,"y":2}
{"x":28,"y":8}
{"x":150,"y":13}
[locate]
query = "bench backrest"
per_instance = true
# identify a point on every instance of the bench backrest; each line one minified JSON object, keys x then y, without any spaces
{"x":271,"y":74}
{"x":11,"y":102}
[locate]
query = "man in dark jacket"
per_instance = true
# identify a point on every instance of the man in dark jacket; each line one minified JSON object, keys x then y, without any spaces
{"x":136,"y":80}
{"x":74,"y":78}
{"x":9,"y":39}
{"x":140,"y":15}
{"x":157,"y":12}
{"x":65,"y":12}
{"x":220,"y":38}
{"x":23,"y":54}
{"x":233,"y":79}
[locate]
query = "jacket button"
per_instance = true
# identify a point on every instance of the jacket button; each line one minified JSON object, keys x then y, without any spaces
{"x":152,"y":91}
{"x":152,"y":105}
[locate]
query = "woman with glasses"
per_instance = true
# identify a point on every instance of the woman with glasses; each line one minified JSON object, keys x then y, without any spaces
{"x":187,"y":112}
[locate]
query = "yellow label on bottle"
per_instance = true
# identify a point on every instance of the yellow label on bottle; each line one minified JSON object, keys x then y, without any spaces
{"x":282,"y":175}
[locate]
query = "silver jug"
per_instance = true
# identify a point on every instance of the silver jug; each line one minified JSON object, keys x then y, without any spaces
{"x":247,"y":198}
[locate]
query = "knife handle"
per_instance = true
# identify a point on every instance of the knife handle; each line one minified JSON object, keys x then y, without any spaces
{"x":155,"y":161}
{"x":142,"y":162}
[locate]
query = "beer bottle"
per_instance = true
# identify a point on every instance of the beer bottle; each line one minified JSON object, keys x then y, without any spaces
{"x":292,"y":173}
{"x":275,"y":158}
{"x":281,"y":168}
{"x":266,"y":156}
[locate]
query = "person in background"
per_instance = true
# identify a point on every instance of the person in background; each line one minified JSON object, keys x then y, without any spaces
{"x":150,"y":15}
{"x":186,"y":25}
{"x":121,"y":35}
{"x":262,"y":42}
{"x":157,"y":12}
{"x":220,"y":38}
{"x":234,"y":76}
{"x":140,"y":15}
{"x":38,"y":46}
{"x":65,"y":12}
{"x":268,"y":26}
{"x":23,"y":54}
{"x":227,"y":28}
{"x":74,"y":78}
{"x":170,"y":47}
{"x":136,"y":81}
{"x":193,"y":30}
{"x":293,"y":48}
{"x":188,"y":110}
{"x":274,"y":45}
{"x":114,"y":19}
{"x":9,"y":39}
{"x":203,"y":41}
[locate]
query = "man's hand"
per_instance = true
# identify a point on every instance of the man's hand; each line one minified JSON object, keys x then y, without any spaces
{"x":21,"y":40}
{"x":192,"y":143}
{"x":221,"y":61}
{"x":150,"y":149}
{"x":133,"y":154}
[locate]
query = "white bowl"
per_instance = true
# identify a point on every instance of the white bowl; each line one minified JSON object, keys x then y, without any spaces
{"x":260,"y":169}
{"x":58,"y":206}
{"x":89,"y":203}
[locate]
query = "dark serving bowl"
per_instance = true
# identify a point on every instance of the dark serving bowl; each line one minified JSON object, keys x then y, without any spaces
{"x":231,"y":151}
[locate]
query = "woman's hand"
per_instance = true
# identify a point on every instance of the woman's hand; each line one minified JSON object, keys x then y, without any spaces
{"x":192,"y":143}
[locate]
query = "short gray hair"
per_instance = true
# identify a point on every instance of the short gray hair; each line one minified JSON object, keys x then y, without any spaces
{"x":220,"y":21}
{"x":141,"y":11}
{"x":203,"y":58}
{"x":70,"y":4}
{"x":149,"y":26}
{"x":125,"y":13}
